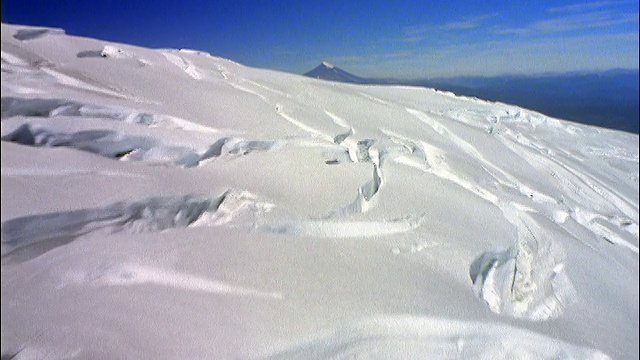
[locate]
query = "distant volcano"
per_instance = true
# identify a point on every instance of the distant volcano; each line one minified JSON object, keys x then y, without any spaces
{"x":327,"y":71}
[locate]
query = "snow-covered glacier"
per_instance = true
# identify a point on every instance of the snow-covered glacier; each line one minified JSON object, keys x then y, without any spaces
{"x":162,"y":203}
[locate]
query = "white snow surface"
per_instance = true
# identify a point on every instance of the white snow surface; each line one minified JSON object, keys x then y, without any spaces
{"x":171,"y":204}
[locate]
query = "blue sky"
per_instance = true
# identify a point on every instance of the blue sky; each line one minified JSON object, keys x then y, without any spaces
{"x":404,"y":39}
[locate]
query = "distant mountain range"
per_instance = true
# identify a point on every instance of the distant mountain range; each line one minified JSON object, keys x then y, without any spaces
{"x":607,"y":99}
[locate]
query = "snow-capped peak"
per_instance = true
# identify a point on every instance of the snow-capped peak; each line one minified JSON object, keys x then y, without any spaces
{"x":328,"y":65}
{"x":331,"y":72}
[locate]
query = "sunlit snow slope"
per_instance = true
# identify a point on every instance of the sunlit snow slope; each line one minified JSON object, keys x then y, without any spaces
{"x":171,"y":204}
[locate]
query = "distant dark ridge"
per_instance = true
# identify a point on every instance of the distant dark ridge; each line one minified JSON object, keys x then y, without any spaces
{"x":608,"y":99}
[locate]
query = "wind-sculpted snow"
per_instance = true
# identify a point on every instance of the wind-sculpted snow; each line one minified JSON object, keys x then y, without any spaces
{"x":112,"y":52}
{"x":113,"y":143}
{"x":344,"y":229}
{"x":106,"y":143}
{"x":527,"y":280}
{"x":31,"y":236}
{"x":238,"y":146}
{"x":136,"y":274}
{"x":433,"y":338}
{"x":31,"y":34}
{"x":358,"y":203}
{"x":367,"y":193}
{"x":51,"y":108}
{"x":184,"y":65}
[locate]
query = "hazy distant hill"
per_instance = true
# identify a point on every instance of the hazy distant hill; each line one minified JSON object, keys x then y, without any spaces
{"x":607,"y":99}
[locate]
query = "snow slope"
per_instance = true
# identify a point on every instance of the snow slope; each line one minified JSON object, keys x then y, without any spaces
{"x":171,"y":204}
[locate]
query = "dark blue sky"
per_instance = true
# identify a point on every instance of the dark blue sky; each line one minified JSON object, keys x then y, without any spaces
{"x":393,"y":38}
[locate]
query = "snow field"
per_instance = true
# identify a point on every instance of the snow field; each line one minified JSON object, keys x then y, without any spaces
{"x":209,"y":210}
